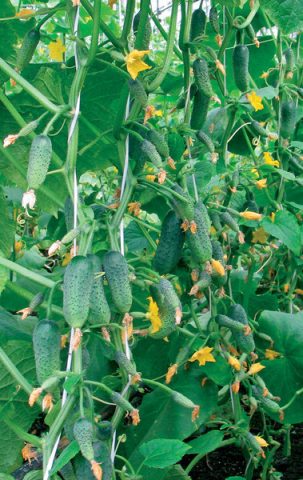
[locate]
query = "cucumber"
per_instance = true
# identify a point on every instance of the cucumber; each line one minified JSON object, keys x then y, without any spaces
{"x":39,"y":160}
{"x":69,"y":214}
{"x":199,"y":242}
{"x":206,"y":140}
{"x":124,"y":363}
{"x":170,"y":244}
{"x":150,"y":151}
{"x":36,"y":301}
{"x":168,"y":303}
{"x":197,"y":26}
{"x":199,"y":111}
{"x":138,"y":92}
{"x":99,"y":311}
{"x":84,"y":435}
{"x":204,"y":212}
{"x":82,"y":469}
{"x":144,"y":45}
{"x":46,"y":344}
{"x":216,"y":221}
{"x":225,"y":321}
{"x":228,"y":220}
{"x":116,"y":271}
{"x":258,"y":129}
{"x":287,"y":118}
{"x":186,"y":209}
{"x":27,"y":50}
{"x":240,"y":67}
{"x":217,"y":254}
{"x":158,"y":140}
{"x":77,"y":287}
{"x":201,"y":74}
{"x":244,"y":342}
{"x":214,"y":19}
{"x":266,"y":402}
{"x":289,"y":62}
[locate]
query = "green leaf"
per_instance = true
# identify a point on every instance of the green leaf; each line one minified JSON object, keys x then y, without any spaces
{"x":3,"y":476}
{"x":7,"y":227}
{"x":287,"y":15}
{"x":12,"y":328}
{"x":206,"y":443}
{"x":162,"y":452}
{"x":176,"y":472}
{"x":286,"y":228}
{"x":283,"y":375}
{"x":68,"y":453}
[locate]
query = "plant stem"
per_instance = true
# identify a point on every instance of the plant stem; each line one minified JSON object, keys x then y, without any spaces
{"x":198,"y":457}
{"x":164,"y":34}
{"x":14,"y":372}
{"x":95,"y":33}
{"x":35,"y":277}
{"x":27,"y":437}
{"x":27,"y":295}
{"x":128,"y":19}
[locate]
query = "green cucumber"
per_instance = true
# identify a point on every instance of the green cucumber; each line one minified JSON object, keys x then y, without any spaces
{"x":217,"y":254}
{"x":27,"y":50}
{"x":150,"y":151}
{"x":245,"y":342}
{"x":77,"y":287}
{"x":39,"y":160}
{"x":124,"y":363}
{"x":206,"y":140}
{"x":228,"y":220}
{"x":199,"y":242}
{"x":240,"y":67}
{"x":266,"y":402}
{"x":116,"y":271}
{"x":215,"y":220}
{"x":201,"y":74}
{"x":99,"y":311}
{"x":158,"y":140}
{"x":46,"y":344}
{"x":214,"y":19}
{"x":170,"y":245}
{"x":84,"y":435}
{"x":36,"y":301}
{"x":185,"y":209}
{"x":199,"y":111}
{"x":168,"y":303}
{"x":204,"y":212}
{"x":225,"y":321}
{"x":144,"y":45}
{"x":289,"y":62}
{"x":258,"y":129}
{"x":198,"y":25}
{"x":287,"y":118}
{"x":138,"y":92}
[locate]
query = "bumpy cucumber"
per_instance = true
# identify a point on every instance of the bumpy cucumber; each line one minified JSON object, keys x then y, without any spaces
{"x":147,"y":32}
{"x":170,"y":244}
{"x":266,"y":402}
{"x":289,"y":62}
{"x":199,"y":242}
{"x":116,"y":271}
{"x":217,"y":254}
{"x":46,"y":344}
{"x":228,"y":220}
{"x":77,"y":287}
{"x":245,"y":342}
{"x":138,"y":92}
{"x":214,"y":19}
{"x":39,"y":160}
{"x":186,"y":209}
{"x":198,"y":24}
{"x":287,"y":118}
{"x":199,"y":111}
{"x":240,"y":67}
{"x":225,"y":321}
{"x":150,"y":151}
{"x":201,"y":74}
{"x":204,"y":212}
{"x":215,"y":220}
{"x":206,"y":140}
{"x":84,"y":434}
{"x":99,"y":311}
{"x":27,"y":50}
{"x":125,"y":363}
{"x":168,"y":302}
{"x":36,"y":301}
{"x":158,"y":140}
{"x":259,"y":129}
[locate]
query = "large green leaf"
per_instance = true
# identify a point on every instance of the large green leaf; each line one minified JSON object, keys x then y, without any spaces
{"x":163,"y":452}
{"x":206,"y":443}
{"x":285,"y":227}
{"x":284,"y":374}
{"x":286,"y":14}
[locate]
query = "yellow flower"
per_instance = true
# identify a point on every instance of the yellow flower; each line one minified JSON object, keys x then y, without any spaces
{"x":259,"y":236}
{"x":251,"y":215}
{"x":56,"y":50}
{"x":255,"y":172}
{"x":299,"y":291}
{"x":255,"y":368}
{"x":150,"y":178}
{"x":153,"y":315}
{"x":263,"y":443}
{"x":271,"y":354}
{"x":135,"y":64}
{"x":260,"y":184}
{"x":218,"y":267}
{"x":234,"y":362}
{"x":171,"y":372}
{"x":24,"y":12}
{"x":272,"y":216}
{"x":286,"y":288}
{"x":268,"y":160}
{"x":255,"y":101}
{"x":202,"y":356}
{"x":264,"y":75}
{"x":134,"y":207}
{"x":158,"y":113}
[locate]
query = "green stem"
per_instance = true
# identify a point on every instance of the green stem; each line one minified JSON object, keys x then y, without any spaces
{"x":58,"y":423}
{"x":35,"y":277}
{"x":95,"y":33}
{"x":164,"y":34}
{"x":128,"y":20}
{"x":27,"y":295}
{"x":27,"y":437}
{"x":199,"y":457}
{"x":127,"y":463}
{"x":249,"y":18}
{"x":14,"y":372}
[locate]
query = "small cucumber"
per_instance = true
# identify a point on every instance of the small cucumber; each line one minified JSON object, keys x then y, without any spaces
{"x":170,"y":245}
{"x":258,"y":129}
{"x":168,"y":303}
{"x":150,"y":151}
{"x":245,"y":342}
{"x":228,"y":220}
{"x":201,"y":74}
{"x":116,"y":271}
{"x":27,"y":50}
{"x":99,"y":311}
{"x":198,"y":24}
{"x":199,"y":242}
{"x":206,"y":140}
{"x":199,"y":111}
{"x":84,"y":434}
{"x":289,"y":62}
{"x":240,"y":67}
{"x":46,"y":344}
{"x":287,"y":118}
{"x":77,"y":287}
{"x":144,"y":45}
{"x":225,"y":321}
{"x":39,"y":160}
{"x":217,"y":254}
{"x":36,"y":301}
{"x":204,"y":212}
{"x":125,"y":364}
{"x":215,"y":220}
{"x":158,"y":140}
{"x":138,"y":92}
{"x":214,"y":19}
{"x":185,"y":209}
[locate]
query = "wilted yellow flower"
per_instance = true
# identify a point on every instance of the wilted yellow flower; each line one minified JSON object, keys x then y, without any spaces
{"x":203,"y":355}
{"x":218,"y":267}
{"x":268,"y":160}
{"x":299,"y":291}
{"x":135,"y":416}
{"x":251,"y":215}
{"x":25,"y":312}
{"x":96,"y":469}
{"x":35,"y":394}
{"x":255,"y":368}
{"x":264,"y":75}
{"x":56,"y":50}
{"x":260,"y":236}
{"x":150,"y":178}
{"x":171,"y":372}
{"x":25,"y":12}
{"x":28,"y":453}
{"x":260,"y":184}
{"x":47,"y":403}
{"x":135,"y":64}
{"x":153,"y":315}
{"x":234,"y":362}
{"x":271,"y":354}
{"x":111,"y":3}
{"x":134,"y":207}
{"x":261,"y":441}
{"x":255,"y":101}
{"x":272,"y":216}
{"x":10,"y":140}
{"x":286,"y":288}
